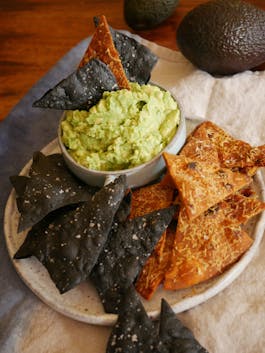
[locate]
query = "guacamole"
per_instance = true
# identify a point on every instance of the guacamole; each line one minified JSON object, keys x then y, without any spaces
{"x":124,"y":129}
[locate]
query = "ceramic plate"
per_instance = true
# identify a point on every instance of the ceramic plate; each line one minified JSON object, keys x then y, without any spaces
{"x":82,"y":303}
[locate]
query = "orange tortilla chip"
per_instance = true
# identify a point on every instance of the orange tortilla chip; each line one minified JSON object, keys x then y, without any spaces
{"x":201,"y":185}
{"x":102,"y":47}
{"x":167,"y":180}
{"x":232,"y":153}
{"x":153,"y":272}
{"x":145,"y":200}
{"x":199,"y":146}
{"x":191,"y":271}
{"x":240,"y":208}
{"x":151,"y":198}
{"x":207,"y":245}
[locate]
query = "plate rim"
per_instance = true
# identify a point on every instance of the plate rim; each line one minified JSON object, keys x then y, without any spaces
{"x":220,"y":282}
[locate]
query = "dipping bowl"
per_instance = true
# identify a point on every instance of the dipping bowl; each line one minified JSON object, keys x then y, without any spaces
{"x":136,"y":176}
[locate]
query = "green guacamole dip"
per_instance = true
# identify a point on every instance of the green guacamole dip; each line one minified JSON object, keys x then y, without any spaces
{"x":125,"y":129}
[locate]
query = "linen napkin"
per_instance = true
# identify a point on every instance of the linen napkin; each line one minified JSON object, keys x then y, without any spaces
{"x":232,"y":321}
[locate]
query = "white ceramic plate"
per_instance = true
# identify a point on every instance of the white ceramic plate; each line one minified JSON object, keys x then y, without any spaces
{"x":82,"y":303}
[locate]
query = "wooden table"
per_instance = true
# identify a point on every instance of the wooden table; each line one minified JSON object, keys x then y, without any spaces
{"x":36,"y":34}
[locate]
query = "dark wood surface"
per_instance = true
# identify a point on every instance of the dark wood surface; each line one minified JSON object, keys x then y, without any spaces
{"x":35,"y":34}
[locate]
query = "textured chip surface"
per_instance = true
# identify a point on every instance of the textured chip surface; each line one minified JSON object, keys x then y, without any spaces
{"x":200,"y":184}
{"x":138,"y":60}
{"x":103,"y":48}
{"x":80,"y":90}
{"x":49,"y":186}
{"x":129,"y":246}
{"x":68,"y":244}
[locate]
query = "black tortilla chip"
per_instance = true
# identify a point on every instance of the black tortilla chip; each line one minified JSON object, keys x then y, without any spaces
{"x":173,"y":336}
{"x":134,"y":331}
{"x":138,"y":61}
{"x":123,"y":212}
{"x":69,"y":242}
{"x":128,"y":247}
{"x":35,"y":243}
{"x":19,"y":183}
{"x":50,"y":185}
{"x":81,"y":90}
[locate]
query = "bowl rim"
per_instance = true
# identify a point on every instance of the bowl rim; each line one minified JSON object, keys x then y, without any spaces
{"x":111,"y":173}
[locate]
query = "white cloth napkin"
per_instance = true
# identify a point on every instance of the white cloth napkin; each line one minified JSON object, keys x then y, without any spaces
{"x":232,"y":321}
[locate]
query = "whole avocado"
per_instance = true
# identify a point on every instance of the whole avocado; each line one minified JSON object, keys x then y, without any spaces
{"x":145,"y":14}
{"x":223,"y":36}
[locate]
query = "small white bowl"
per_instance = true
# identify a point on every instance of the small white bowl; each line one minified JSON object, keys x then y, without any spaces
{"x":136,"y":176}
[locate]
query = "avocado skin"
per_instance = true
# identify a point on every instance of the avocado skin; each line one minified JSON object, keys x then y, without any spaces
{"x":146,"y":14}
{"x":223,"y":37}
